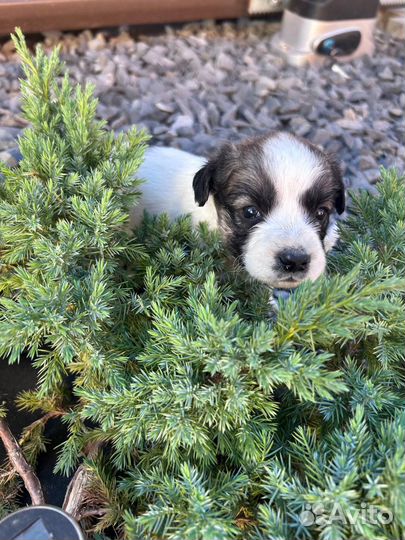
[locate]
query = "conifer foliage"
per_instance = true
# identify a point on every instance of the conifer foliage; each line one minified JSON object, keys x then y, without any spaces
{"x":214,"y":419}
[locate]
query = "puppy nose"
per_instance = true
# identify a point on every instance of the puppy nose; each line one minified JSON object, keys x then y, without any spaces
{"x":294,"y":260}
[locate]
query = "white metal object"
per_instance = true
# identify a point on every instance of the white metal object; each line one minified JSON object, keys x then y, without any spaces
{"x":258,"y":7}
{"x":299,"y":37}
{"x":392,"y":3}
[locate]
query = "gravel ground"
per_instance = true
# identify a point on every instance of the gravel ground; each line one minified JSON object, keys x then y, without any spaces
{"x":205,"y":83}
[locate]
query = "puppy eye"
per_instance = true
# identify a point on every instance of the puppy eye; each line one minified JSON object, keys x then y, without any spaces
{"x":321,"y":213}
{"x":251,"y":212}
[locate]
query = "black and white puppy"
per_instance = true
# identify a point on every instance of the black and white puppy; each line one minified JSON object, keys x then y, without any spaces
{"x":274,"y":198}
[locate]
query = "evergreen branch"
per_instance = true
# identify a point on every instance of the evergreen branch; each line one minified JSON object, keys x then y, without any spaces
{"x":212,"y":420}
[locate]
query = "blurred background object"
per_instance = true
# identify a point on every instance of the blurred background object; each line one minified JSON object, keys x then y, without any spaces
{"x":392,"y":17}
{"x":313,"y":30}
{"x":305,"y":22}
{"x":46,"y":15}
{"x":258,"y":7}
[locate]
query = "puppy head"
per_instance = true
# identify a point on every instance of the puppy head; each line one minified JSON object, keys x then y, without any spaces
{"x":277,"y":198}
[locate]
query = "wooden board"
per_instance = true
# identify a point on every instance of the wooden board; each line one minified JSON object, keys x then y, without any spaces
{"x":45,"y":15}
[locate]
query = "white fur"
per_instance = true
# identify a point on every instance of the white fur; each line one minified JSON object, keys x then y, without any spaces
{"x":293,"y":168}
{"x":332,"y":236}
{"x":168,"y":187}
{"x":279,"y":232}
{"x":292,"y":165}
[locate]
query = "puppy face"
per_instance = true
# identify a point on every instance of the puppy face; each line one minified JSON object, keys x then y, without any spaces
{"x":277,"y":199}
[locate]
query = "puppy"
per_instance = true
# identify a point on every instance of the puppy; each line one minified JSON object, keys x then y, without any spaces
{"x":274,"y":198}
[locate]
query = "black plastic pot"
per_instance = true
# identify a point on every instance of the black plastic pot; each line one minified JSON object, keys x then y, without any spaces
{"x":14,"y":379}
{"x":40,"y":523}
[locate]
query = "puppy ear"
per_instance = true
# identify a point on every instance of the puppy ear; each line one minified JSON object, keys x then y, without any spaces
{"x":341,"y":201}
{"x":203,"y":182}
{"x":215,"y":173}
{"x":340,"y":198}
